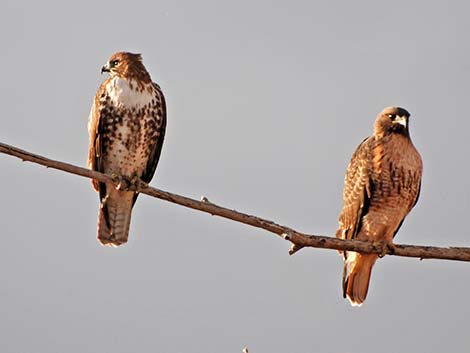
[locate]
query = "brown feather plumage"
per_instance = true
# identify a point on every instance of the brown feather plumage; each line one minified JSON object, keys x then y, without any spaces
{"x":381,"y":186}
{"x":126,"y":130}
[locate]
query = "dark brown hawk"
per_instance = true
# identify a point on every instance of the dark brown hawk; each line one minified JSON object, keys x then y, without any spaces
{"x":381,"y":187}
{"x":126,"y":126}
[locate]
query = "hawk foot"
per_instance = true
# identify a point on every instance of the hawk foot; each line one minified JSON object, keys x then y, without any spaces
{"x":136,"y":184}
{"x":124,"y":184}
{"x":385,"y":247}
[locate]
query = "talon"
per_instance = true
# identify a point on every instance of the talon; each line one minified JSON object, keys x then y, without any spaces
{"x":385,"y":248}
{"x":382,"y":246}
{"x":116,"y":178}
{"x":136,"y":184}
{"x":122,"y":183}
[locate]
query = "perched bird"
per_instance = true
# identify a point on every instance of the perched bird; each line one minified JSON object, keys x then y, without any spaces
{"x":381,"y":186}
{"x":126,"y":127}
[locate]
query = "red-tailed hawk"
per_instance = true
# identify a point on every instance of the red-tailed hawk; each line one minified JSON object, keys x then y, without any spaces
{"x":126,"y":126}
{"x":381,"y":187}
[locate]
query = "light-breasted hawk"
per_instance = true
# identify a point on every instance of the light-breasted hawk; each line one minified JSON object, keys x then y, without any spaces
{"x":126,"y":127}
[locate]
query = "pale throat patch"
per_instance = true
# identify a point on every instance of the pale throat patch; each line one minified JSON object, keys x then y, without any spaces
{"x":125,"y":93}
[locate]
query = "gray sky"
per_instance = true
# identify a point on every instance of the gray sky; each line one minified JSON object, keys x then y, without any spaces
{"x":266,"y":103}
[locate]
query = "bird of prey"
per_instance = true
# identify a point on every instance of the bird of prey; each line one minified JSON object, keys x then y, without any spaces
{"x":381,"y":186}
{"x":126,"y":127}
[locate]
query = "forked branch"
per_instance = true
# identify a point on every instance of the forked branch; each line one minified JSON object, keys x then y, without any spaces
{"x":299,"y":240}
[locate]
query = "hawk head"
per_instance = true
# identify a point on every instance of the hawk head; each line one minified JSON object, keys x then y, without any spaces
{"x":127,"y":65}
{"x":392,"y":120}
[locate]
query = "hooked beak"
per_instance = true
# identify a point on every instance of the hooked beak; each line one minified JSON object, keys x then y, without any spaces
{"x":400,"y":120}
{"x":105,"y":68}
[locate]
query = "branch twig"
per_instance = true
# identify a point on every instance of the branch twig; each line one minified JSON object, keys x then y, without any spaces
{"x":299,"y":240}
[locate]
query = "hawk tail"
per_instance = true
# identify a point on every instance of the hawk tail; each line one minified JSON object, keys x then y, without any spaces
{"x":356,"y":276}
{"x":114,"y":218}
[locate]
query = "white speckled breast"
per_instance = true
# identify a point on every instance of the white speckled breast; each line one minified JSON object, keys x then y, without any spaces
{"x":131,"y":120}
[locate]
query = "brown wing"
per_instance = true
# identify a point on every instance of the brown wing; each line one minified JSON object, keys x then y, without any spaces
{"x":156,"y":149}
{"x":158,"y":143}
{"x":94,"y":130}
{"x":357,"y":191}
{"x":417,"y":167}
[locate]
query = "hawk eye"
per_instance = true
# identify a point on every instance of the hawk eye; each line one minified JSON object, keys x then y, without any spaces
{"x":391,"y":116}
{"x":114,"y":63}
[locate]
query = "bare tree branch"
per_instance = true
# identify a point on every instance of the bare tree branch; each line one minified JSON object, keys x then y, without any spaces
{"x":299,"y":240}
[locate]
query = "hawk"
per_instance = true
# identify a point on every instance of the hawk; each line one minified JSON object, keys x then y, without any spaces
{"x":126,"y":127}
{"x":381,"y":186}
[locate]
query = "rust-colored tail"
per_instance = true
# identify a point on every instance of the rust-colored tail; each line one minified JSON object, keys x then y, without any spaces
{"x":356,"y":276}
{"x":114,"y":218}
